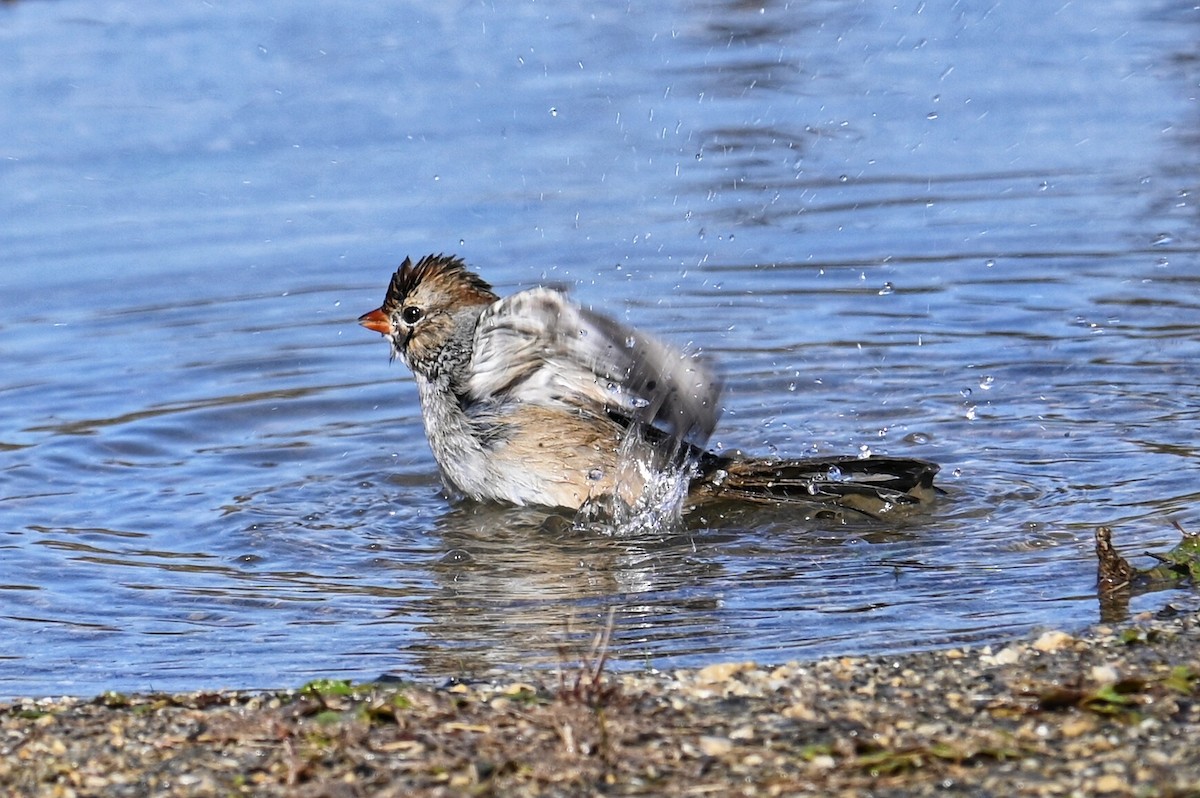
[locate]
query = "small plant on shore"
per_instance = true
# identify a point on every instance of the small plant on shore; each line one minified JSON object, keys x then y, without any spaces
{"x":590,"y":686}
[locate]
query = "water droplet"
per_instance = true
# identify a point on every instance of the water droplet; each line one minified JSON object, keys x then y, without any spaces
{"x":792,"y":387}
{"x":971,"y":413}
{"x":989,"y":263}
{"x":1162,"y":240}
{"x":917,"y":438}
{"x":965,"y":392}
{"x":931,"y":115}
{"x":553,"y":111}
{"x":462,"y":242}
{"x":630,"y":342}
{"x":887,"y":289}
{"x":596,"y":474}
{"x":957,"y":472}
{"x":986,"y":383}
{"x":719,"y":476}
{"x":834,"y":474}
{"x":843,"y":178}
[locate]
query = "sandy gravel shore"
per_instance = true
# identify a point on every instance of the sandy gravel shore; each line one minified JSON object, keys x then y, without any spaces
{"x":1114,"y":711}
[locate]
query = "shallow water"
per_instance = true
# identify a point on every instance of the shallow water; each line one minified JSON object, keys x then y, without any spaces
{"x":965,"y":235}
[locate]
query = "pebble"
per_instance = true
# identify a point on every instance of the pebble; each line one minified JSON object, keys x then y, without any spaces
{"x":1053,"y":641}
{"x":1111,"y":783}
{"x":1077,"y":727}
{"x":742,"y":733}
{"x":715,"y":746}
{"x":1009,"y":655}
{"x":722,"y":672}
{"x":823,"y":762}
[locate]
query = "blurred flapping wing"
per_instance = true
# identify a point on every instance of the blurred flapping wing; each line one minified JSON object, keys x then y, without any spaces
{"x":539,"y":347}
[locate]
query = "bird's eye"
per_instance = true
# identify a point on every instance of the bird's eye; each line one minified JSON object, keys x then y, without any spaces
{"x":411,"y":314}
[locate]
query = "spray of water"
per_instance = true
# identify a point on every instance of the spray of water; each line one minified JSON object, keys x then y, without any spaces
{"x":653,"y":474}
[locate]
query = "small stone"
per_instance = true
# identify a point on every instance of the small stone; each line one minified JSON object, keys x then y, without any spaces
{"x":799,"y":711}
{"x":1009,"y":655}
{"x":1077,"y":727}
{"x":1158,"y":758}
{"x":1053,"y":641}
{"x":784,"y":671}
{"x":519,"y":688}
{"x":1105,"y":674}
{"x":715,"y":746}
{"x":742,"y":733}
{"x":1111,"y":783}
{"x":722,"y":672}
{"x":823,"y":762}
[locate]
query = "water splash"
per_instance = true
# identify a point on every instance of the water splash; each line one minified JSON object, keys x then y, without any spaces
{"x":650,"y":487}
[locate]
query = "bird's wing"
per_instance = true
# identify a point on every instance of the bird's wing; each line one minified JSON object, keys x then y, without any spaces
{"x":539,"y":347}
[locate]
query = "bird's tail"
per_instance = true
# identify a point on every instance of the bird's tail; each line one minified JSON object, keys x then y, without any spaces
{"x":871,"y":485}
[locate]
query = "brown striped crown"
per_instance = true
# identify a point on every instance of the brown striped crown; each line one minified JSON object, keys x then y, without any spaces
{"x":445,"y":272}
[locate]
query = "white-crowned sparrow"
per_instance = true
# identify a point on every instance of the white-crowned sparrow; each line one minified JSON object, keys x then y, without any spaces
{"x":528,"y":400}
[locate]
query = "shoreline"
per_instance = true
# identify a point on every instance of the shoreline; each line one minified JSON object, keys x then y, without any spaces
{"x":1114,"y":710}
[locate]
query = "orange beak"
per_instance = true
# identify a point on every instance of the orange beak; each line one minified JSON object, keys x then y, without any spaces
{"x":376,"y":320}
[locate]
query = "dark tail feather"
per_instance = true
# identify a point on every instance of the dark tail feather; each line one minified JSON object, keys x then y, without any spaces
{"x":871,"y":485}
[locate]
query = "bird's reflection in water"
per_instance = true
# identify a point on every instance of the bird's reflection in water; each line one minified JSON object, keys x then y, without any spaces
{"x":529,"y":588}
{"x":524,"y":587}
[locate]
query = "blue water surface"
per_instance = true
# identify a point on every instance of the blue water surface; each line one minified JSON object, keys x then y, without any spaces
{"x":968,"y":234}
